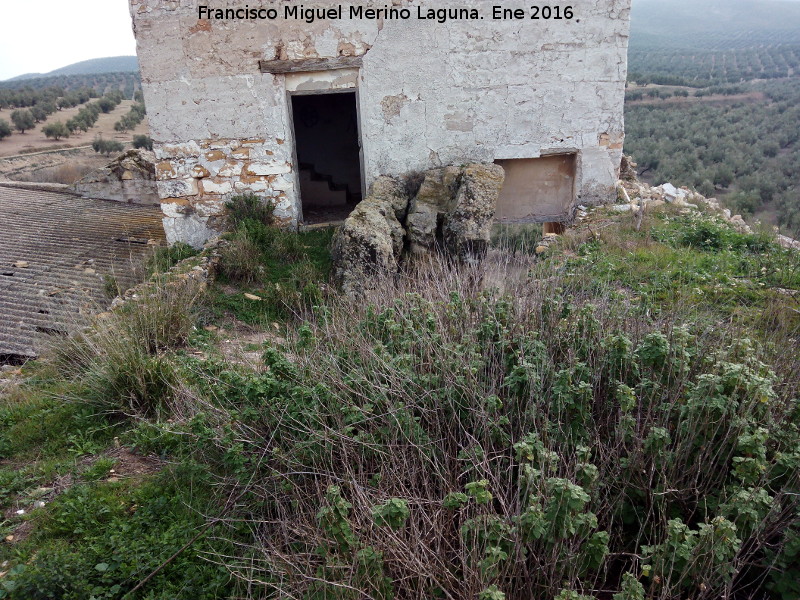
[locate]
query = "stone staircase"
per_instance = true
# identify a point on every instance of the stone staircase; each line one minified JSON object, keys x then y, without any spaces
{"x":322,"y":191}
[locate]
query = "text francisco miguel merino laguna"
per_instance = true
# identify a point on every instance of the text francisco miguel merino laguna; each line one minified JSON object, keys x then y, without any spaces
{"x":300,"y":12}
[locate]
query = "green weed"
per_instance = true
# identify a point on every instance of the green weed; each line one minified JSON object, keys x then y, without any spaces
{"x":98,"y":540}
{"x":166,"y":257}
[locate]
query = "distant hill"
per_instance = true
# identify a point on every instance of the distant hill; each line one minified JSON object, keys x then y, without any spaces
{"x":714,"y":24}
{"x":111,"y":64}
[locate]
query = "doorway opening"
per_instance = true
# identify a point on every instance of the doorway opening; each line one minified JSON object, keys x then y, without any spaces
{"x":328,"y":146}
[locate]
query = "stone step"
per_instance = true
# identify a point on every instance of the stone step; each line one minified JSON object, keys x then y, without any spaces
{"x":318,"y":192}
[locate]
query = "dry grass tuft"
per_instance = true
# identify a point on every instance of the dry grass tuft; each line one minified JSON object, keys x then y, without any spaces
{"x":123,"y":359}
{"x":67,"y":173}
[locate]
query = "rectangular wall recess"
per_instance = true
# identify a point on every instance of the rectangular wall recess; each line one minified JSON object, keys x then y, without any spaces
{"x":537,"y":190}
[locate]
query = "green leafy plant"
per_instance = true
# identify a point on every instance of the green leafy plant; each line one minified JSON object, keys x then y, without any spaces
{"x":249,"y":207}
{"x":393,"y":513}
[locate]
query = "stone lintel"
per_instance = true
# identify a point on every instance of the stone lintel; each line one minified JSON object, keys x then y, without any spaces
{"x":309,"y":64}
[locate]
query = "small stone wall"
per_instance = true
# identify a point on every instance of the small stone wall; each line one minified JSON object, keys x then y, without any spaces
{"x":129,"y":178}
{"x":196,"y":270}
{"x":195,"y":179}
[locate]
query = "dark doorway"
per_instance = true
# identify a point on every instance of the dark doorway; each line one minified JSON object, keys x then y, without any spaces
{"x":328,"y":155}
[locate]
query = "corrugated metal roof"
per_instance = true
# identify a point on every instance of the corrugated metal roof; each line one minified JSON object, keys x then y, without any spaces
{"x":55,"y":250}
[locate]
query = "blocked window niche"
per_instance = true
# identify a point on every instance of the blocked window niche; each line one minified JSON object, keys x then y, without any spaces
{"x":537,"y":190}
{"x":328,"y":150}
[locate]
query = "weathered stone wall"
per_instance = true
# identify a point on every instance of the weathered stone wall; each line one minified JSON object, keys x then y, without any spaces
{"x":430,"y":94}
{"x":128,"y":178}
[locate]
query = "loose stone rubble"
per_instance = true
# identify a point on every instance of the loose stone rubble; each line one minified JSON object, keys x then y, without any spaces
{"x":196,"y":271}
{"x":640,"y":196}
{"x":636,"y":196}
{"x":131,"y":178}
{"x":788,"y":242}
{"x":452,"y":213}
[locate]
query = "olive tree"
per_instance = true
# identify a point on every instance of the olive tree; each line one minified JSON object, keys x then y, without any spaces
{"x":5,"y":129}
{"x":56,"y":130}
{"x":23,"y":120}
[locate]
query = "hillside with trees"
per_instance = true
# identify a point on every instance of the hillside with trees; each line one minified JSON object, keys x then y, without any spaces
{"x":745,"y":152}
{"x":64,"y":106}
{"x":126,"y":82}
{"x":94,"y":66}
{"x":713,"y":102}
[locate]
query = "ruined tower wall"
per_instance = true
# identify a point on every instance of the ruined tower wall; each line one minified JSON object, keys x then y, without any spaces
{"x":429,"y":94}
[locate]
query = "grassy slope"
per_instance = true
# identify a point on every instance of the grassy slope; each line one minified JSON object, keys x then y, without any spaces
{"x":100,"y":533}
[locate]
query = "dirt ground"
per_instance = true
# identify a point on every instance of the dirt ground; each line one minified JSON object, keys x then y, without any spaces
{"x":34,"y":140}
{"x":63,"y":166}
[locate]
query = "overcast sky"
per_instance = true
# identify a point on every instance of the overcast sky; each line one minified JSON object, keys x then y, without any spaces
{"x":42,"y":35}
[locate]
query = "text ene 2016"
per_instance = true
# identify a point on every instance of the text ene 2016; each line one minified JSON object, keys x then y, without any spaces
{"x":534,"y":12}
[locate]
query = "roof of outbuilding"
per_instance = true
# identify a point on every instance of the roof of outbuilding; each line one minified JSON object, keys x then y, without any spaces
{"x":55,"y":251}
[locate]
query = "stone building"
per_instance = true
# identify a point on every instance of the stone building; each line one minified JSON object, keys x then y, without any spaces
{"x":308,"y":104}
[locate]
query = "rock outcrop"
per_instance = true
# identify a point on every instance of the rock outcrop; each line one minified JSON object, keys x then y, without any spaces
{"x":390,"y":191}
{"x":131,"y":178}
{"x":428,"y":207}
{"x":369,"y":246}
{"x":627,"y":169}
{"x":467,"y":226}
{"x":452,"y":213}
{"x":643,"y":196}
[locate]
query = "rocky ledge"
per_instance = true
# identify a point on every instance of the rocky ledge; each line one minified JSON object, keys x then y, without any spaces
{"x":448,"y":210}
